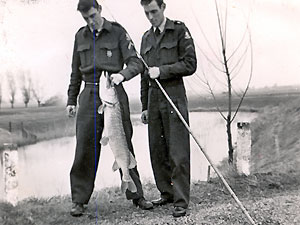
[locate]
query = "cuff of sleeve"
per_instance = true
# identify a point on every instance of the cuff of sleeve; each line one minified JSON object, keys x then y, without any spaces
{"x":71,"y":102}
{"x":164,"y":72}
{"x":126,"y":74}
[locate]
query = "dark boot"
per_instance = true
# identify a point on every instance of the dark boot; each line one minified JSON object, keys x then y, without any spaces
{"x":142,"y":203}
{"x":77,"y":209}
{"x":179,"y":211}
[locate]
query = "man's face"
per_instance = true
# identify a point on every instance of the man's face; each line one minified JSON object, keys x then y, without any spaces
{"x":93,"y":18}
{"x":154,"y":13}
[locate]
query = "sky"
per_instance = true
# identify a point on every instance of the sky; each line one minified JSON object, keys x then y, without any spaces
{"x":38,"y":38}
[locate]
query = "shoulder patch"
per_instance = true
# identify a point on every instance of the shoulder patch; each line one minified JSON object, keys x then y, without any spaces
{"x":187,"y":35}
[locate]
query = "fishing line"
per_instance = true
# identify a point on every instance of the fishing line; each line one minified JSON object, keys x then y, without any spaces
{"x":194,"y":137}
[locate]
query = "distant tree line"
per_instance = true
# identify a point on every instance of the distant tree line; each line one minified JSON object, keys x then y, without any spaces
{"x":30,"y":89}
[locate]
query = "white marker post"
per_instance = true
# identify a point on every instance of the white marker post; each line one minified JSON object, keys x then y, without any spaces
{"x":243,"y":152}
{"x":10,"y":173}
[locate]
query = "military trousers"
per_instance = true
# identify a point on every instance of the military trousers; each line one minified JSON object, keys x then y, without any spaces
{"x":169,"y":147}
{"x":89,"y":128}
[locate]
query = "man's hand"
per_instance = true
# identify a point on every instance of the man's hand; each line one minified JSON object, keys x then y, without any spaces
{"x":71,"y":110}
{"x":144,"y":117}
{"x":154,"y":72}
{"x":116,"y":78}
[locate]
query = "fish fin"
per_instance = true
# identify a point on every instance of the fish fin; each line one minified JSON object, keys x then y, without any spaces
{"x":132,"y":161}
{"x":104,"y":140}
{"x":115,"y":166}
{"x":124,"y":186}
{"x":101,"y":109}
{"x":130,"y":185}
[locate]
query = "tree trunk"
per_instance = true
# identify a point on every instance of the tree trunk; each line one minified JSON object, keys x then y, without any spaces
{"x":229,"y":141}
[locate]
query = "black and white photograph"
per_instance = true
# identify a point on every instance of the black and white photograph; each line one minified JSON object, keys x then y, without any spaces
{"x":149,"y":112}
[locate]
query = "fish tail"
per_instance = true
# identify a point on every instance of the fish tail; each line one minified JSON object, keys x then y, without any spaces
{"x":130,"y":185}
{"x":132,"y":161}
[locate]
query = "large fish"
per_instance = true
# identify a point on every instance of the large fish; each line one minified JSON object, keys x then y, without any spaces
{"x":114,"y":133}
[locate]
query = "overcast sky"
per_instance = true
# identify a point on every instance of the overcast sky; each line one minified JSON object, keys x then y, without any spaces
{"x":39,"y":38}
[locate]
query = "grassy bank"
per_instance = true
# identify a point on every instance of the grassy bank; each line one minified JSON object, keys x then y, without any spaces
{"x":271,"y":193}
{"x":275,"y":138}
{"x":253,"y":102}
{"x":210,"y":204}
{"x":30,"y":125}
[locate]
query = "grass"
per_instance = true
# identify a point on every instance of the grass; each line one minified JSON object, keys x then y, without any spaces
{"x":47,"y":123}
{"x":273,"y":176}
{"x":209,"y":202}
{"x":30,"y":125}
{"x":275,"y":138}
{"x":252,"y":102}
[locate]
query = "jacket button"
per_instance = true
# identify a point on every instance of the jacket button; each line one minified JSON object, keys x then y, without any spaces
{"x":171,"y":112}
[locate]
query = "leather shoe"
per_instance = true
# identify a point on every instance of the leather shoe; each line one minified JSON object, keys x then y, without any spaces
{"x":77,"y":209}
{"x":162,"y":201}
{"x":179,"y":211}
{"x":142,"y":203}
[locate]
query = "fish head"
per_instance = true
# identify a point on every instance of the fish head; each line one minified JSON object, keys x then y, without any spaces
{"x":107,"y":90}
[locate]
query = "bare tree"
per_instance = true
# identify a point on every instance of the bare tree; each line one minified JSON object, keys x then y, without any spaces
{"x":26,"y":85}
{"x":12,"y":88}
{"x":225,"y":66}
{"x":37,"y":91}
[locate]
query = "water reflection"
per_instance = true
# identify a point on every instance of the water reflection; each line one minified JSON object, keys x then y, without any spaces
{"x":44,"y":167}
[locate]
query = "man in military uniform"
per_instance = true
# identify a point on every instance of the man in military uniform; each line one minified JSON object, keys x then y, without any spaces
{"x":169,"y":51}
{"x":99,"y":47}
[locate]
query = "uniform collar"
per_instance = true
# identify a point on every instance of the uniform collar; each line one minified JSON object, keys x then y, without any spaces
{"x":106,"y":26}
{"x":161,"y":27}
{"x":168,"y":26}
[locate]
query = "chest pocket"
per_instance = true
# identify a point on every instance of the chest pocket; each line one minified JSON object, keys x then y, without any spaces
{"x":146,"y":54}
{"x":168,"y":52}
{"x":146,"y":49}
{"x":85,"y":54}
{"x":110,"y":56}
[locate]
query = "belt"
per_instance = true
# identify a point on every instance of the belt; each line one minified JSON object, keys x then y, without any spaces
{"x":91,"y":83}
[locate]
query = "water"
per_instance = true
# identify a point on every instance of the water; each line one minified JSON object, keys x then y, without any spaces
{"x":44,"y":167}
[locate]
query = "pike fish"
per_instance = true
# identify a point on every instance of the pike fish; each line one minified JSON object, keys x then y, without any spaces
{"x":114,"y":133}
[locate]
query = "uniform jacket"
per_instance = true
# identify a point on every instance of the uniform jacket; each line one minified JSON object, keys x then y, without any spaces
{"x":110,"y":50}
{"x":174,"y":53}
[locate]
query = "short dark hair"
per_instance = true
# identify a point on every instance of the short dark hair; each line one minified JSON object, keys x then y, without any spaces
{"x":147,"y":2}
{"x":86,"y":5}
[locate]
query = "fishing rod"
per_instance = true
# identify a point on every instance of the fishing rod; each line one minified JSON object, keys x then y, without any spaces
{"x":193,"y":135}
